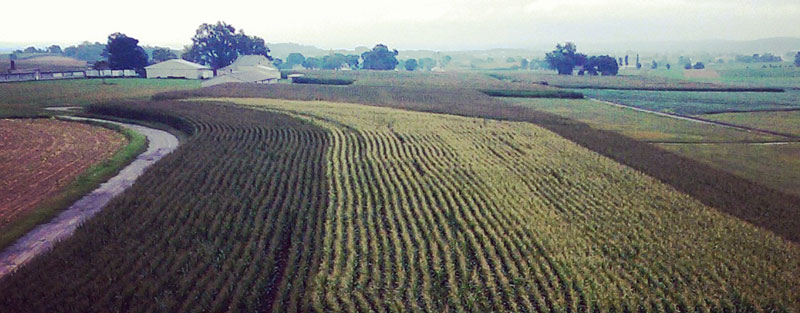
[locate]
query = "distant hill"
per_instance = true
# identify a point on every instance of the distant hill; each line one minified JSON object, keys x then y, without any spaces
{"x":777,"y":45}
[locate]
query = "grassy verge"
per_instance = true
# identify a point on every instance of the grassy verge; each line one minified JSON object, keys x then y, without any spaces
{"x":555,"y":94}
{"x":83,"y":184}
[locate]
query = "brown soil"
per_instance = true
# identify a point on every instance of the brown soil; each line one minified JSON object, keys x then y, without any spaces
{"x":704,"y":73}
{"x":39,"y":157}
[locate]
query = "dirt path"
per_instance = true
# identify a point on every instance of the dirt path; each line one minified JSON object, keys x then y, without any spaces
{"x":43,"y":237}
{"x":704,"y":121}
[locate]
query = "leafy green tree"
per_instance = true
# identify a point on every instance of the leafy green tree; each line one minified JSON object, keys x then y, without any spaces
{"x":218,"y":45}
{"x":523,"y":64}
{"x":86,"y":51}
{"x":654,"y":65}
{"x":604,"y":65}
{"x":410,"y":64}
{"x":333,"y":61}
{"x":56,"y":49}
{"x":295,"y":59}
{"x":31,"y":49}
{"x":380,"y":58}
{"x":123,"y":52}
{"x":278,"y":63}
{"x":669,"y":66}
{"x":163,"y":54}
{"x":426,"y":64}
{"x":797,"y":59}
{"x":312,"y":63}
{"x":564,"y":58}
{"x":352,"y":60}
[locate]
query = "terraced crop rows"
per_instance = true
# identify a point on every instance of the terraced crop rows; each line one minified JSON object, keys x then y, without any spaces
{"x":441,"y":213}
{"x":315,"y":206}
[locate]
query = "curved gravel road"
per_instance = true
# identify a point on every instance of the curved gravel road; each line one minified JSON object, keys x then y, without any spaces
{"x":42,"y":238}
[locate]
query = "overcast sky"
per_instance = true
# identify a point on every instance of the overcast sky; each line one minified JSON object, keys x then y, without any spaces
{"x":407,"y":24}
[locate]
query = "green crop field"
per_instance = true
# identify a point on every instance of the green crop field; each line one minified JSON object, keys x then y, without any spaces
{"x":79,"y":92}
{"x":288,"y":205}
{"x":26,"y":99}
{"x":465,"y":79}
{"x":640,"y":125}
{"x":693,"y":103}
{"x":783,"y":122}
{"x":628,"y":81}
{"x":774,"y":165}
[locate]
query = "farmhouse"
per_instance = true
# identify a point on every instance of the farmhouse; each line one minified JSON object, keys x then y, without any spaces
{"x":177,"y":68}
{"x":246,"y":69}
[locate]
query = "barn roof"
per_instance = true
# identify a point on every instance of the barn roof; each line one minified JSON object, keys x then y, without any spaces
{"x":249,"y":61}
{"x":177,"y":64}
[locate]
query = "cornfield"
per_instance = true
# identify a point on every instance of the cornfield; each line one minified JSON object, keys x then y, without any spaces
{"x":288,"y":206}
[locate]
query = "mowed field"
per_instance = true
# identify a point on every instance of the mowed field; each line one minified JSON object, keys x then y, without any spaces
{"x":39,"y":157}
{"x":28,"y":99}
{"x":287,"y":205}
{"x":50,"y":63}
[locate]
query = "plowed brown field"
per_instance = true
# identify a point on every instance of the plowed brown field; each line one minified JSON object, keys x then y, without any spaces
{"x":39,"y":157}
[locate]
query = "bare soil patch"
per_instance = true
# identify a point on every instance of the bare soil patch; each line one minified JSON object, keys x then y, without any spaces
{"x":39,"y":157}
{"x":704,"y":73}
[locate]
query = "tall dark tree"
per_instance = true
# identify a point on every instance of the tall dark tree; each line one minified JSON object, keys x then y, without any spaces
{"x":565,"y":58}
{"x":410,"y":64}
{"x":626,"y":61}
{"x":218,"y":45}
{"x":334,"y":61}
{"x":163,"y":54}
{"x":523,"y":64}
{"x":602,"y":65}
{"x":312,"y":63}
{"x":55,"y":49}
{"x":124,"y":53}
{"x":380,"y":58}
{"x":797,"y":59}
{"x":352,"y":60}
{"x":295,"y":59}
{"x":654,"y":65}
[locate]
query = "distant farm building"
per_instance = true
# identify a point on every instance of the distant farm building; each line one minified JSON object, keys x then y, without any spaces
{"x":246,"y":69}
{"x":177,"y":68}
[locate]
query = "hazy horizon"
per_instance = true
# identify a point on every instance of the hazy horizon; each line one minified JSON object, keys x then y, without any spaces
{"x":410,"y":25}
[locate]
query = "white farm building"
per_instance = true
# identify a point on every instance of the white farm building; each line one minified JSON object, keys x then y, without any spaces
{"x":246,"y":69}
{"x":177,"y":68}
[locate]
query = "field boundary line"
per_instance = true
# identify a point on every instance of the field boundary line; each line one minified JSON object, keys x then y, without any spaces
{"x":698,"y":120}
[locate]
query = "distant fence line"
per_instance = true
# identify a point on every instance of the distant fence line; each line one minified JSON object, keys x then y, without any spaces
{"x":29,"y":76}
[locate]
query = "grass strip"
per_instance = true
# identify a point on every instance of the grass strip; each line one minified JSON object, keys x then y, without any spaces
{"x":82,"y":185}
{"x":689,"y":89}
{"x":322,"y":81}
{"x":554,"y":94}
